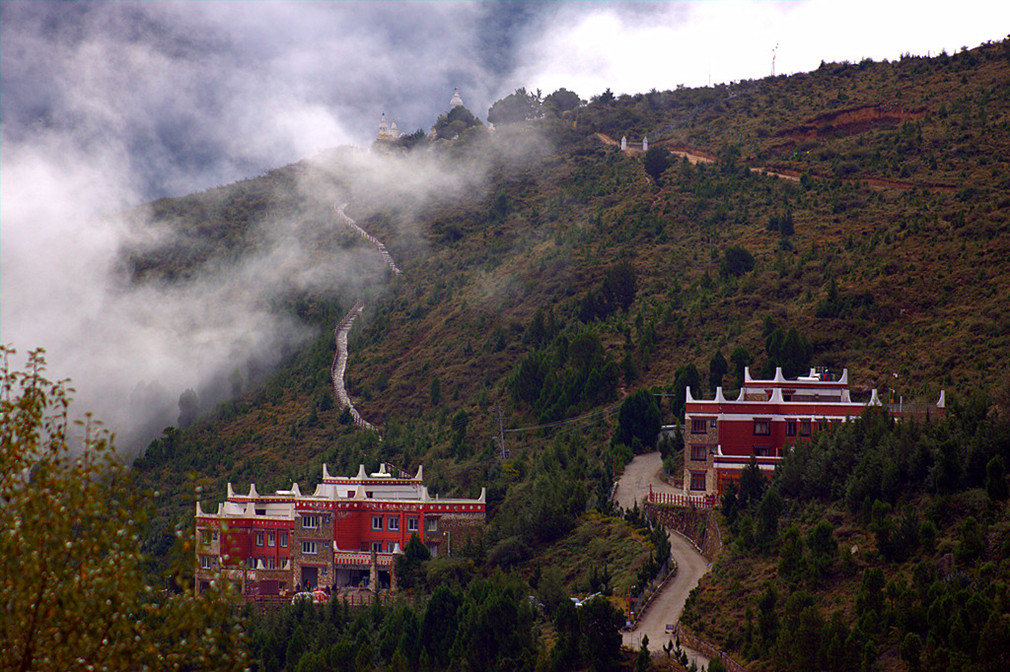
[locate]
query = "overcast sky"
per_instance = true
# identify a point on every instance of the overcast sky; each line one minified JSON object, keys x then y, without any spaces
{"x":109,"y":104}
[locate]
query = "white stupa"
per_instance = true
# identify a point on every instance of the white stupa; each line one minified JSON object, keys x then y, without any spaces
{"x":456,"y":100}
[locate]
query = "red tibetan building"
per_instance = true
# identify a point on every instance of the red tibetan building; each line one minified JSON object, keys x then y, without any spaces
{"x":347,"y":533}
{"x":767,"y":417}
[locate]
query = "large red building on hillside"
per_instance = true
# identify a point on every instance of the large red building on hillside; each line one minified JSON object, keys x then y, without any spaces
{"x":766,"y":418}
{"x":347,"y":533}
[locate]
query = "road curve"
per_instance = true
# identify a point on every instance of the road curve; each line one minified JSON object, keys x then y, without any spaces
{"x":641,"y":473}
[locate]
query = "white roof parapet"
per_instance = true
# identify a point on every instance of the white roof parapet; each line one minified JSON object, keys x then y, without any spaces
{"x":776,"y":397}
{"x":252,"y":490}
{"x":361,"y":473}
{"x":718,"y":394}
{"x":746,"y":375}
{"x":396,"y":549}
{"x":295,"y":490}
{"x":250,"y":509}
{"x":779,"y":378}
{"x":845,"y":377}
{"x":220,"y":508}
{"x":740,"y":396}
{"x":231,"y":492}
{"x":326,"y":473}
{"x":942,"y":403}
{"x":483,"y":495}
{"x":420,"y":473}
{"x":844,"y":398}
{"x":199,"y":511}
{"x":874,"y":399}
{"x":359,"y":492}
{"x":687,"y":395}
{"x":424,"y":494}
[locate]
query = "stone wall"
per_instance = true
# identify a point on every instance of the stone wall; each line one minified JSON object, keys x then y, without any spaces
{"x":454,"y":529}
{"x":706,"y":440}
{"x":701,"y":526}
{"x":323,"y":558}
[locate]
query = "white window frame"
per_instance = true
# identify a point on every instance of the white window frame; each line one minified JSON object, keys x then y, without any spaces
{"x":310,"y":548}
{"x":271,"y":538}
{"x":206,"y":562}
{"x":259,"y":538}
{"x":284,"y":539}
{"x":310,"y":522}
{"x":431,"y":524}
{"x":412,"y":524}
{"x":377,"y":523}
{"x":394,"y":523}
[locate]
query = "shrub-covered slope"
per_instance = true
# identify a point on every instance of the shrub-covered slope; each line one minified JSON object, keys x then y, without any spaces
{"x":854,"y":216}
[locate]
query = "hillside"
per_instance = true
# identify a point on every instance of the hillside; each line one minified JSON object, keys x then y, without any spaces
{"x":863,"y":206}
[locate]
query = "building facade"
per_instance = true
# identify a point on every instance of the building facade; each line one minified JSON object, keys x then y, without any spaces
{"x":347,"y":533}
{"x":764,"y":421}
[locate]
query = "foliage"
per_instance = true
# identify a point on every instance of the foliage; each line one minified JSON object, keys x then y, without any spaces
{"x":789,"y":350}
{"x":517,"y":106}
{"x":567,"y":378}
{"x":561,"y":101}
{"x":736,"y":261}
{"x":883,"y":210}
{"x":70,"y":565}
{"x":638,"y":421}
{"x":657,"y":159}
{"x":686,"y":377}
{"x":410,"y":565}
{"x":453,"y":124}
{"x":617,"y":292}
{"x":717,"y":369}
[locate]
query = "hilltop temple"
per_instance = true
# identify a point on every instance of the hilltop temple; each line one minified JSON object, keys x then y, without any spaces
{"x":387,"y":131}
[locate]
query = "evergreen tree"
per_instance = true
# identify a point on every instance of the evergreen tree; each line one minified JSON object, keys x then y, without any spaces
{"x":717,"y":368}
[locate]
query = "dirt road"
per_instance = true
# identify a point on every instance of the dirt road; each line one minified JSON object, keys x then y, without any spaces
{"x":641,"y":472}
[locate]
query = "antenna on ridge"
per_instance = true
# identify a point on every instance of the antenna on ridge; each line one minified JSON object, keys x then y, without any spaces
{"x":774,"y":52}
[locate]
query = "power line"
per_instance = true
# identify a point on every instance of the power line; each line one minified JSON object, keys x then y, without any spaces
{"x":560,"y":423}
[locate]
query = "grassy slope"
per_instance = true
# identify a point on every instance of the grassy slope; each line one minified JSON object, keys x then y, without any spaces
{"x":932,"y":251}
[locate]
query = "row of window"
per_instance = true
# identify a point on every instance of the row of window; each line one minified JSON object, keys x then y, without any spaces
{"x":267,"y":563}
{"x":271,"y":538}
{"x":763,"y":427}
{"x":393,"y":524}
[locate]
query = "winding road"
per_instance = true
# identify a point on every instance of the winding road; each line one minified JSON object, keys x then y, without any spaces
{"x":641,"y":473}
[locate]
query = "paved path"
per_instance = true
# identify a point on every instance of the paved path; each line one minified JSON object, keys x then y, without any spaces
{"x":641,"y":472}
